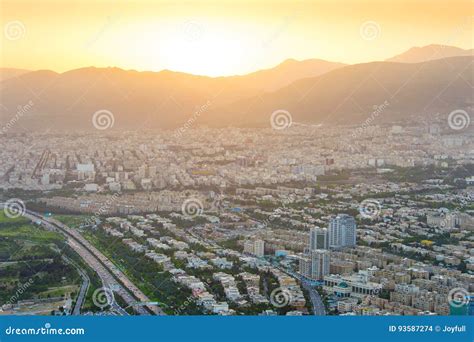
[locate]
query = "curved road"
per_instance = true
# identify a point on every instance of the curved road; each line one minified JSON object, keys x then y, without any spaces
{"x":84,"y":287}
{"x":109,"y":274}
{"x":316,"y":301}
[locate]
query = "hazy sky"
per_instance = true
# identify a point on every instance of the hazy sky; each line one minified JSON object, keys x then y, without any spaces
{"x":222,"y":37}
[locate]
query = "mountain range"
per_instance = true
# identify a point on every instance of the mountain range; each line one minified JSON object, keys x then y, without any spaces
{"x":6,"y":73}
{"x":351,"y":94}
{"x":421,"y":81}
{"x":430,"y":52}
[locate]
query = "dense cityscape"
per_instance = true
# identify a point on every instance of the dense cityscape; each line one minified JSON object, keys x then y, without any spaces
{"x":289,"y":220}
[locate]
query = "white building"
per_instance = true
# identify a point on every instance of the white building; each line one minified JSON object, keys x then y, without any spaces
{"x":259,"y":246}
{"x":254,"y":247}
{"x":320,"y":260}
{"x":315,"y":265}
{"x":356,"y":285}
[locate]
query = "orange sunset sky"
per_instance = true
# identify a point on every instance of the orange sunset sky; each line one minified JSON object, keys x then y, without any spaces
{"x":221,"y":37}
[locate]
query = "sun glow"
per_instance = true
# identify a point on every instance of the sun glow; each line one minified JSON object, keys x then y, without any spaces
{"x":218,"y":38}
{"x":195,"y":46}
{"x":212,"y":56}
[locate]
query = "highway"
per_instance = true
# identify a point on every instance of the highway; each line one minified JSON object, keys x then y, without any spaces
{"x":84,"y":287}
{"x":316,"y":301}
{"x":109,"y":274}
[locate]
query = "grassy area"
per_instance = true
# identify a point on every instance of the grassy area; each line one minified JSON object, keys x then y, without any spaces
{"x":20,"y":239}
{"x":27,"y":232}
{"x":30,"y":259}
{"x":73,"y":221}
{"x":59,"y":291}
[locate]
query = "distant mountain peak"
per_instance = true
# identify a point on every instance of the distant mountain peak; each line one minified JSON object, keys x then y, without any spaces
{"x":6,"y":73}
{"x":418,"y":54}
{"x":289,"y":61}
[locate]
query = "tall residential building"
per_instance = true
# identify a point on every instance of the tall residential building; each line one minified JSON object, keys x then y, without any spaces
{"x":342,"y":231}
{"x":259,"y":246}
{"x":254,"y":247}
{"x":248,"y":246}
{"x":315,"y":265}
{"x":305,"y":266}
{"x":318,"y":238}
{"x":320,"y":259}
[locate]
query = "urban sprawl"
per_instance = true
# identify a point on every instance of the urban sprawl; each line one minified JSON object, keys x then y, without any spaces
{"x":306,"y":220}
